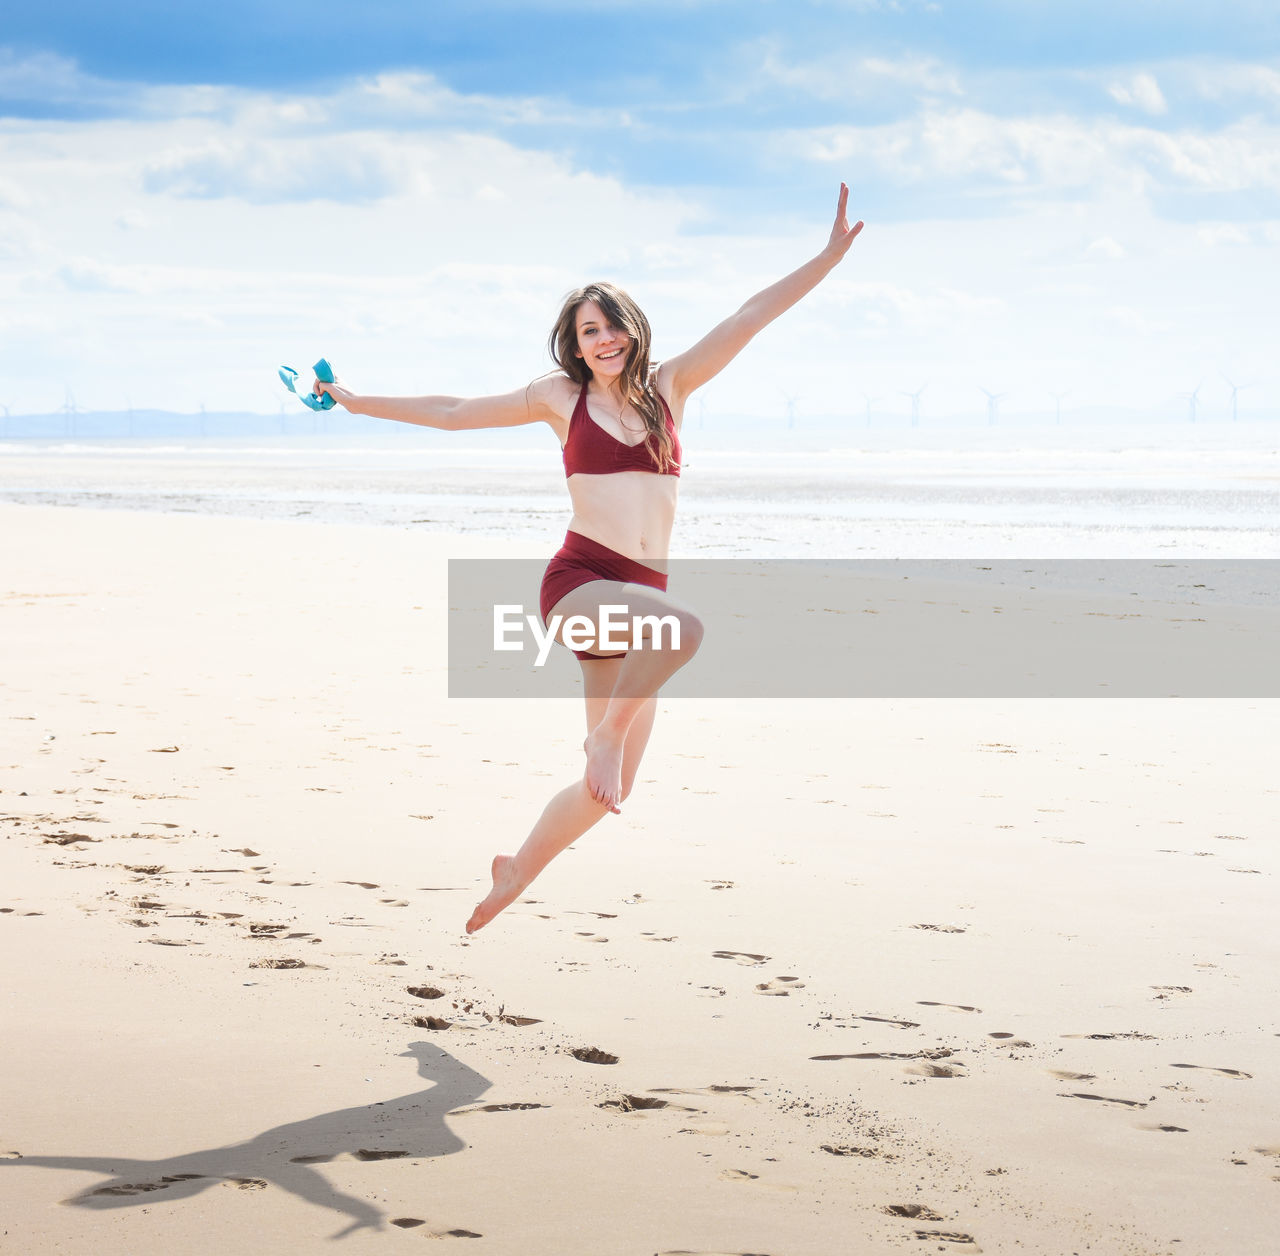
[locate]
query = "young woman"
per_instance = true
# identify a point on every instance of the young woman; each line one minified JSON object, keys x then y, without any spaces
{"x":618,"y":421}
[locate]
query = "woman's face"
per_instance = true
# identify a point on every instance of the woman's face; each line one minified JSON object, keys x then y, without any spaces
{"x":603,"y":347}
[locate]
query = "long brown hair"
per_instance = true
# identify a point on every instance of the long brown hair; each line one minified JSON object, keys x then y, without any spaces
{"x":637,"y":375}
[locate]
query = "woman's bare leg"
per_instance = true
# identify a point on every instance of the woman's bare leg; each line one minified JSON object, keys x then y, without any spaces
{"x":640,"y":675}
{"x":572,"y":811}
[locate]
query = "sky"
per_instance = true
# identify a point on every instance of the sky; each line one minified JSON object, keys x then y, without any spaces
{"x":1078,"y":199}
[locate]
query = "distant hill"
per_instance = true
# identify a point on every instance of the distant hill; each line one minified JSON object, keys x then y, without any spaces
{"x":711,"y":430}
{"x":148,"y":424}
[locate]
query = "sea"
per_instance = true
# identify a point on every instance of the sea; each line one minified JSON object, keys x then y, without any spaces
{"x":1132,"y":491}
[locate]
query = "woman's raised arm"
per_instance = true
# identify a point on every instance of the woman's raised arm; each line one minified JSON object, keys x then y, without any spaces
{"x":532,"y":404}
{"x":705,"y":360}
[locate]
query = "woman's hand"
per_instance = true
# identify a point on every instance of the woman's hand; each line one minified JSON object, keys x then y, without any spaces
{"x":842,"y":235}
{"x":338,"y":391}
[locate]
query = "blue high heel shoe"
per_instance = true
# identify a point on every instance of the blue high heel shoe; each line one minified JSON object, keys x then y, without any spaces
{"x":324,"y":373}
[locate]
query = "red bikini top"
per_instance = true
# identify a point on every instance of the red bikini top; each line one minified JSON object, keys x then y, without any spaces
{"x":590,"y":450}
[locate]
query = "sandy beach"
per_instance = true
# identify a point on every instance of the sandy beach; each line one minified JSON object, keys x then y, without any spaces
{"x":845,"y":977}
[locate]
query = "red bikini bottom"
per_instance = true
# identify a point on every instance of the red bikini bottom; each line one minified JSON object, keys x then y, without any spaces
{"x":581,"y":560}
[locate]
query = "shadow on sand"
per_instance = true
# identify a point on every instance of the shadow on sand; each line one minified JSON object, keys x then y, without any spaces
{"x":411,"y":1126}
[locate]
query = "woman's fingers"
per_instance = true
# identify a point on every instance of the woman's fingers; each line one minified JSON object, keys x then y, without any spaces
{"x":842,"y":235}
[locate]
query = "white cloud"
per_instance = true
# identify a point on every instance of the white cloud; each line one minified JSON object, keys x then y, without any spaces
{"x":1142,"y":92}
{"x":1214,"y":234}
{"x":1052,"y":152}
{"x":846,"y":75}
{"x":1229,"y":81}
{"x":359,"y":168}
{"x":1105,"y":247}
{"x":49,"y":77}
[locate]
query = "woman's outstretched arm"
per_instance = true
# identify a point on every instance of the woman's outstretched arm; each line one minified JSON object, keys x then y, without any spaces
{"x":455,"y":414}
{"x":705,"y":360}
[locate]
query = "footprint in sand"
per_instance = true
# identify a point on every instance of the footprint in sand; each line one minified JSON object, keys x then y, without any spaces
{"x":917,"y":1212}
{"x":424,"y":992}
{"x":1133,"y":1034}
{"x":593,"y":1055}
{"x":1114,"y":1103}
{"x":140,"y":1188}
{"x":1221,"y":1072}
{"x":738,"y":1175}
{"x":747,"y":958}
{"x":955,"y":1007}
{"x":1066,"y":1075}
{"x":928,"y":1069}
{"x":410,"y":1223}
{"x":743,"y":1092}
{"x":866,"y":1153}
{"x":642,"y":1103}
{"x":933,"y":1053}
{"x":430,"y":1022}
{"x":498,"y":1107}
{"x":941,"y":928}
{"x":967,"y":1241}
{"x":889,"y":1020}
{"x":780,"y":986}
{"x":1164,"y":1129}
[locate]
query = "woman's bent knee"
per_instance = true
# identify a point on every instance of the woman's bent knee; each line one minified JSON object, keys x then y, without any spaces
{"x":691,"y":631}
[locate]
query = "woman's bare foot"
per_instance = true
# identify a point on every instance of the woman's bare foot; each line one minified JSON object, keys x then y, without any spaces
{"x":604,"y":769}
{"x":506,"y":885}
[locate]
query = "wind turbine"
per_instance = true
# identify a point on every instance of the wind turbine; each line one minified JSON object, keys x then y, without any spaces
{"x":1235,"y":388}
{"x":70,"y":409}
{"x":915,"y":404}
{"x":791,"y":408}
{"x":1057,"y":398}
{"x":870,"y":402}
{"x":993,"y":403}
{"x":1192,"y":399}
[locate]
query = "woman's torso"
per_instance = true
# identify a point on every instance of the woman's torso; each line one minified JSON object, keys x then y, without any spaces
{"x":632,"y":512}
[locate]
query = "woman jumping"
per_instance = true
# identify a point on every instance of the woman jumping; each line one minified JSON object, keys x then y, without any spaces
{"x":618,"y":420}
